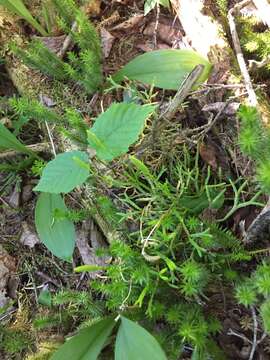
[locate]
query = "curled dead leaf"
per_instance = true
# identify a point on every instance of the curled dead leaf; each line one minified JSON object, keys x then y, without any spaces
{"x":28,"y":238}
{"x":107,"y":40}
{"x":52,"y":43}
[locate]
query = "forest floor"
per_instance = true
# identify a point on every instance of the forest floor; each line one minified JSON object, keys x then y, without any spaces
{"x":42,"y":299}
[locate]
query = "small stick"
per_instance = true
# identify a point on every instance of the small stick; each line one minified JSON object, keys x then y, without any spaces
{"x":255,"y":331}
{"x":252,"y":98}
{"x":174,"y":105}
{"x":156,"y":25}
{"x":67,"y":42}
{"x":240,"y":336}
{"x":35,"y":148}
{"x":182,"y":92}
{"x":51,"y":139}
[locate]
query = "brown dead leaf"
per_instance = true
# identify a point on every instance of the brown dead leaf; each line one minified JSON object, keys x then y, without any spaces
{"x":14,"y":199}
{"x":230,"y":109}
{"x":28,"y":237}
{"x":167,"y":32}
{"x":208,"y":154}
{"x":215,"y":156}
{"x":107,"y":40}
{"x":52,"y":43}
{"x":88,"y":240}
{"x":130,"y":23}
{"x":27,"y":193}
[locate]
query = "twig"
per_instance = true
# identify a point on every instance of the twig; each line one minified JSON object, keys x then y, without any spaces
{"x":67,"y":42}
{"x":51,"y":139}
{"x":35,"y":148}
{"x":182,"y":93}
{"x":253,"y":64}
{"x":174,"y":105}
{"x":156,"y":25}
{"x":252,"y":98}
{"x":255,"y":331}
{"x":231,"y":332}
{"x":262,"y":338}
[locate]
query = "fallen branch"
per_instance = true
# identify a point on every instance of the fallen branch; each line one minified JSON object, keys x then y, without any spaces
{"x":35,"y":148}
{"x":255,"y":331}
{"x":252,"y":98}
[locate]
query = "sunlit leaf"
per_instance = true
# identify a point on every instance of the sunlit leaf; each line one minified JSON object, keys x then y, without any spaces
{"x":117,"y":128}
{"x":166,"y":69}
{"x":88,"y":344}
{"x":133,"y":342}
{"x":64,"y":173}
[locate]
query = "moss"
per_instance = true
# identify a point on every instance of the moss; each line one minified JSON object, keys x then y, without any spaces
{"x":45,"y":351}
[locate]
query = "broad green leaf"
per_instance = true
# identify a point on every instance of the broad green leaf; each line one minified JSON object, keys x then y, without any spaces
{"x":150,"y":4}
{"x":58,"y":235}
{"x":18,"y":7}
{"x":133,"y":342}
{"x":88,"y":343}
{"x":9,"y":142}
{"x":165,"y":69}
{"x":117,"y":128}
{"x":64,"y":173}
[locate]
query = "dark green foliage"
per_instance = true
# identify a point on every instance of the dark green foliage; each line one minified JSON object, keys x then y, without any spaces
{"x":83,"y":66}
{"x":71,"y":122}
{"x":255,"y":142}
{"x":254,"y":41}
{"x":172,"y":255}
{"x":66,"y":10}
{"x":255,"y":290}
{"x":76,"y":129}
{"x":69,"y":309}
{"x":39,"y":57}
{"x":33,"y":109}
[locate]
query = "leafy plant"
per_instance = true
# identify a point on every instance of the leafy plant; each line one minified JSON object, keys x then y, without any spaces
{"x":163,"y":68}
{"x":71,"y":169}
{"x":18,"y":7}
{"x":132,"y":342}
{"x":83,"y":68}
{"x":255,"y":291}
{"x":9,"y":142}
{"x":64,"y":173}
{"x":117,"y":128}
{"x":157,"y":68}
{"x":254,"y":141}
